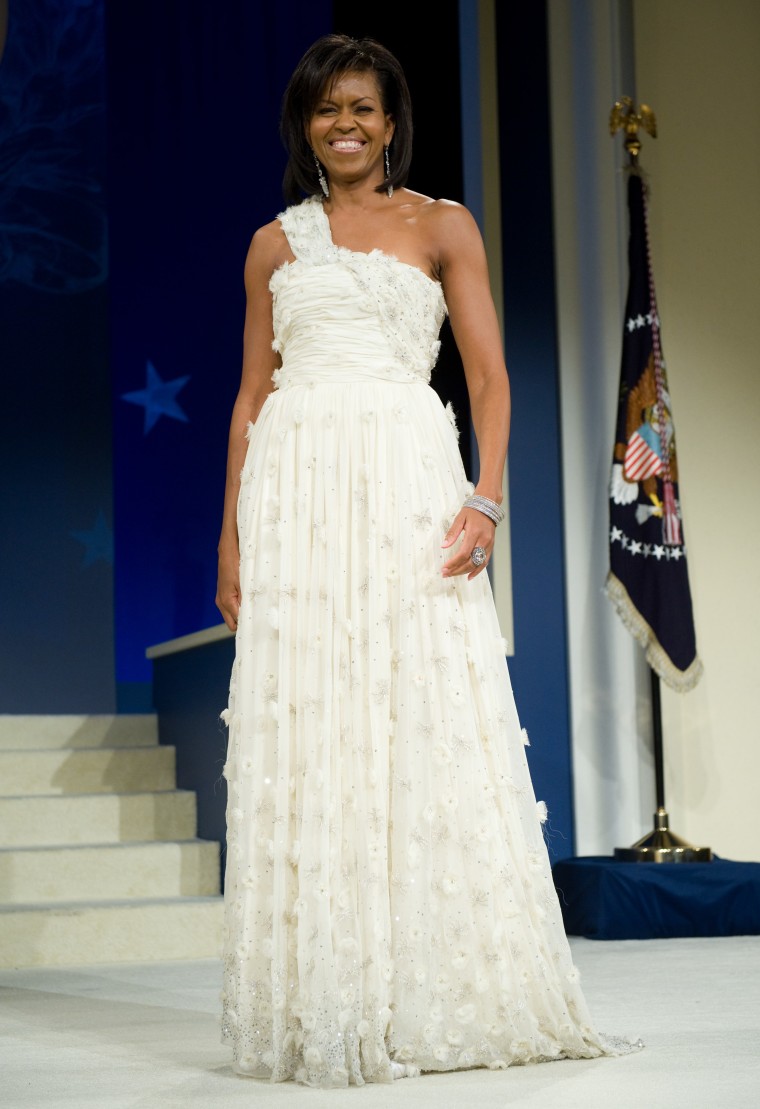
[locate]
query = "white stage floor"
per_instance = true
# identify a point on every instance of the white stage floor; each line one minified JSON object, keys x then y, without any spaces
{"x":147,"y":1036}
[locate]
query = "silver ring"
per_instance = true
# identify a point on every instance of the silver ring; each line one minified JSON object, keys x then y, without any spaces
{"x":478,"y":556}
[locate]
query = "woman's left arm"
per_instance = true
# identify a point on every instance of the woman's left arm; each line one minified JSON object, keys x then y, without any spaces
{"x":463,"y":270}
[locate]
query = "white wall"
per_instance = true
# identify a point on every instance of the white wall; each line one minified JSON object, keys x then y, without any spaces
{"x":591,"y":61}
{"x":695,"y":62}
{"x":698,"y":67}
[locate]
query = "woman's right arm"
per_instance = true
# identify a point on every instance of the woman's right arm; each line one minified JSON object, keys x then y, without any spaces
{"x":259,"y":363}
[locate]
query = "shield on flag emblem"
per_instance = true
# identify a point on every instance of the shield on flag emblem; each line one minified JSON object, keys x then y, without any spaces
{"x":642,"y":454}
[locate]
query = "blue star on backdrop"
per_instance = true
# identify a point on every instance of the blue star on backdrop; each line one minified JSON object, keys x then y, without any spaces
{"x":158,"y":398}
{"x":98,"y":542}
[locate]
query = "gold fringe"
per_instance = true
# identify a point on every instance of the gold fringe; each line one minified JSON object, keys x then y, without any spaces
{"x":679,"y":680}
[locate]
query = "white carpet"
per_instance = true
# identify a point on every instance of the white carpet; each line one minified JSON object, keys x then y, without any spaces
{"x":147,"y":1036}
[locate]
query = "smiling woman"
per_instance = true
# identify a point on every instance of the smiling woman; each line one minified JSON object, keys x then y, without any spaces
{"x":311,"y":97}
{"x":389,"y":900}
{"x":349,"y":126}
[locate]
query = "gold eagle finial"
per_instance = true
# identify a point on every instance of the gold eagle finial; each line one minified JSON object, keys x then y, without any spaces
{"x":625,"y":116}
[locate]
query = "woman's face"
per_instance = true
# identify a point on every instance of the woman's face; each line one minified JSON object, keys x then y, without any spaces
{"x":349,"y":129}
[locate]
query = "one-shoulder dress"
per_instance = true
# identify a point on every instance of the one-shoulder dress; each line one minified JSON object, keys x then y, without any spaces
{"x":388,"y":892}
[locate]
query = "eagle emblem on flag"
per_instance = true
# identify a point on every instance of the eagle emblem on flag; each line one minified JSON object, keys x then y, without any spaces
{"x":648,"y":580}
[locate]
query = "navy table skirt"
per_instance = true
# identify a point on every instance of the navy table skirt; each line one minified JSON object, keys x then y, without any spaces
{"x":605,"y":899}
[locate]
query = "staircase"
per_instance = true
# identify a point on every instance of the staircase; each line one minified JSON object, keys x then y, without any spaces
{"x":99,"y":860}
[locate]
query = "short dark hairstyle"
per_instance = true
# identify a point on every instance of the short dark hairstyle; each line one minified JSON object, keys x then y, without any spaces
{"x":329,"y":57}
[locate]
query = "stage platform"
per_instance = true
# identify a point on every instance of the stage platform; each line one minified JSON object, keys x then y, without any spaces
{"x":146,"y":1036}
{"x":605,"y":899}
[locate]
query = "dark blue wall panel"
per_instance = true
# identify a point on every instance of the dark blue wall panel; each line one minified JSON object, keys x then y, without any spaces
{"x":539,"y":667}
{"x":195,"y":166}
{"x":56,"y":586}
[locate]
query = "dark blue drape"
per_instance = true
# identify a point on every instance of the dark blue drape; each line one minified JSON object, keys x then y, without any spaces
{"x":605,"y":899}
{"x":195,"y":165}
{"x":56,"y":586}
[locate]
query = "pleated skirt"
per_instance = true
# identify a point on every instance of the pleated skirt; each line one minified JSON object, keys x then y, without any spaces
{"x":388,"y":894}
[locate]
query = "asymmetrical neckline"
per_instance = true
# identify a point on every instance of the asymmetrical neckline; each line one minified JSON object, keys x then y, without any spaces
{"x":376,"y":252}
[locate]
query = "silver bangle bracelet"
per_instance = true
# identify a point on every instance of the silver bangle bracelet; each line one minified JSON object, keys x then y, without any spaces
{"x":489,"y":508}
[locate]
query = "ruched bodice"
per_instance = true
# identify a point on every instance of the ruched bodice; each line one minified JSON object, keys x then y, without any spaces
{"x":324,"y":337}
{"x":341,"y":314}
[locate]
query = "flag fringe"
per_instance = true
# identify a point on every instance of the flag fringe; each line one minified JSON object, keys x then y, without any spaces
{"x":679,"y":680}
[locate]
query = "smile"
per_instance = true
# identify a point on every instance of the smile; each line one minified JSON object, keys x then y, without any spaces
{"x":347,"y":146}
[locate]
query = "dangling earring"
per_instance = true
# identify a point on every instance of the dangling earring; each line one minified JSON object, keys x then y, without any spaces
{"x":388,"y":172}
{"x":322,"y":179}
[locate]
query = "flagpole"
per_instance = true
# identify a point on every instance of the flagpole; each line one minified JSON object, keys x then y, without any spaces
{"x":660,"y":845}
{"x":659,"y":766}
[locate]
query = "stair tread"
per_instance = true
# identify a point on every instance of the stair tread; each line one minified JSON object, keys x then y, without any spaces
{"x":57,"y":717}
{"x":76,"y":730}
{"x":69,"y":751}
{"x":26,"y":797}
{"x":125,"y":845}
{"x":112,"y":903}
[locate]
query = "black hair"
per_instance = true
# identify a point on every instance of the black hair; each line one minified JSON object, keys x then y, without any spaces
{"x":327,"y":58}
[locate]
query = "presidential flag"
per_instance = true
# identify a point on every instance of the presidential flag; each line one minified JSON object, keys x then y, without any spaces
{"x":648,"y":581}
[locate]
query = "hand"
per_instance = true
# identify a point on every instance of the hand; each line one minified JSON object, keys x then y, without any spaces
{"x":477,"y":531}
{"x":228,"y":588}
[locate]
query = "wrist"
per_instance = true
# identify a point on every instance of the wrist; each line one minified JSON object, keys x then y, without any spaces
{"x":489,"y":491}
{"x":486,"y":505}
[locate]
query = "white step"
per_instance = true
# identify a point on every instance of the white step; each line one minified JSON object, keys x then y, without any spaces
{"x":112,"y":932}
{"x":132,"y":730}
{"x":98,"y":857}
{"x":106,"y":872}
{"x":103,"y":770}
{"x":36,"y":821}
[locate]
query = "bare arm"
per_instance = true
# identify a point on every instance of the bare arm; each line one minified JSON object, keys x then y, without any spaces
{"x":464,"y":274}
{"x":259,"y":362}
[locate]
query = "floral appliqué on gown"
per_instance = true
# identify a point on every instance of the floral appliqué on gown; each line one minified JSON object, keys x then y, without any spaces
{"x":388,"y":893}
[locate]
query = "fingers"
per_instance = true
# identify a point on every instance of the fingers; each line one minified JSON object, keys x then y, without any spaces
{"x":454,"y":531}
{"x":477,"y":531}
{"x":229,"y":607}
{"x":229,"y":617}
{"x":464,"y":565}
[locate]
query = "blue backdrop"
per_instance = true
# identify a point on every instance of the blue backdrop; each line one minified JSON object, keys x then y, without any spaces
{"x":539,"y":667}
{"x":194,"y":167}
{"x":56,"y":586}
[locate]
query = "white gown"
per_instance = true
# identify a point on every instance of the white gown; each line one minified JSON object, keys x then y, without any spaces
{"x":388,"y":891}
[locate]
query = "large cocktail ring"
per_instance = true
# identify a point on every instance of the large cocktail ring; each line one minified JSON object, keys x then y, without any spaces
{"x":478,"y":556}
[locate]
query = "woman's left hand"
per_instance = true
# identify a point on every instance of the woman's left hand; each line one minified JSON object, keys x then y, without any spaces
{"x":477,"y":531}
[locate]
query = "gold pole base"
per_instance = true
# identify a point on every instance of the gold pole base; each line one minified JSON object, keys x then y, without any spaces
{"x":663,"y":846}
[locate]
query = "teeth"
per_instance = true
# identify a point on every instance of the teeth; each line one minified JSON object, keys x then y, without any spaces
{"x":347,"y":145}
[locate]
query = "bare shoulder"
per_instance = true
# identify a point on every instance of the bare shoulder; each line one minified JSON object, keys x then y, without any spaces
{"x":448,"y":229}
{"x":268,"y":250}
{"x":431,"y":211}
{"x":452,"y":223}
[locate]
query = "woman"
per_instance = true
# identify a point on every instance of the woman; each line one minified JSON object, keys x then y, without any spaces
{"x":389,"y":901}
